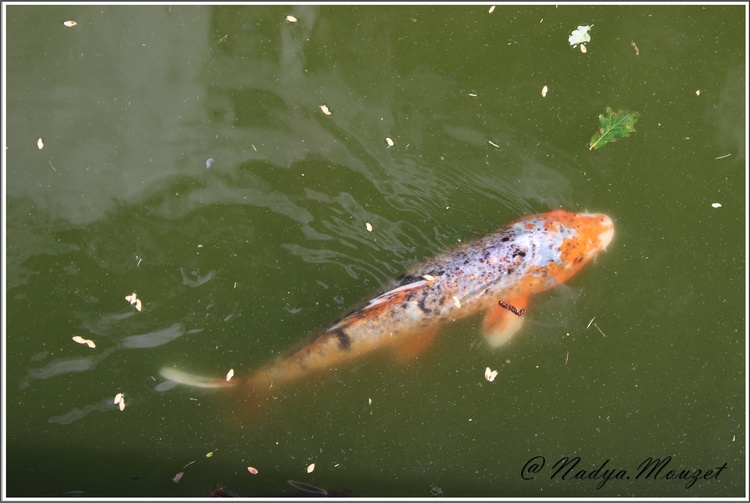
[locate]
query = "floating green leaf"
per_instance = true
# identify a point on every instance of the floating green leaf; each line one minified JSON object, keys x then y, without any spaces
{"x":613,"y":125}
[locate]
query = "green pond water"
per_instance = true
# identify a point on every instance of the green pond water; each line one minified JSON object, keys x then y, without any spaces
{"x":186,"y":158}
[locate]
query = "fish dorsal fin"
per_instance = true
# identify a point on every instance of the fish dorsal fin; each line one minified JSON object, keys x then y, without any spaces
{"x":379,"y":303}
{"x":501,"y":323}
{"x":396,"y":291}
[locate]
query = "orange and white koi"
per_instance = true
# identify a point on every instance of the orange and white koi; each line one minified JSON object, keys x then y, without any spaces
{"x":495,"y":275}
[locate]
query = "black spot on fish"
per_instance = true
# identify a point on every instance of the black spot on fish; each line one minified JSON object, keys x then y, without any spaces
{"x":421,"y":306}
{"x":345,"y":342}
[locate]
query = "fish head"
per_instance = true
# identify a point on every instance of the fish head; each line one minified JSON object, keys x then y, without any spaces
{"x":585,"y":235}
{"x":564,"y":243}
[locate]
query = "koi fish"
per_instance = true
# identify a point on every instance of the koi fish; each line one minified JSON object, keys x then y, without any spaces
{"x":495,"y":274}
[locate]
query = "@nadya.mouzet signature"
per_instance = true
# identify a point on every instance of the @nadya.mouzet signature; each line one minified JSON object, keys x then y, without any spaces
{"x":567,"y":468}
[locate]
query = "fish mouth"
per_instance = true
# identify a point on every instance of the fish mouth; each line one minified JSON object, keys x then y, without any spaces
{"x":606,"y":226}
{"x":605,"y":237}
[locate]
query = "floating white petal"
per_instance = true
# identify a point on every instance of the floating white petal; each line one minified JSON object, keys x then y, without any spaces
{"x":311,"y":467}
{"x":490,"y":374}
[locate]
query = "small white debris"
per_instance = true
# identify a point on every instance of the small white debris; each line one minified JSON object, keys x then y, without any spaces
{"x":389,"y":142}
{"x":722,"y":156}
{"x":698,"y":92}
{"x":490,"y":374}
{"x":368,"y":226}
{"x":291,"y":19}
{"x":252,"y":470}
{"x":493,"y":144}
{"x":177,"y":477}
{"x":583,"y":48}
{"x":716,"y":205}
{"x":325,"y":109}
{"x":429,"y":277}
{"x":544,"y":92}
{"x":590,"y":322}
{"x":456,"y":302}
{"x":120,"y":400}
{"x":230,"y":374}
{"x":39,"y":144}
{"x":70,"y":23}
{"x":369,"y":401}
{"x":491,"y":9}
{"x":134,"y":301}
{"x":311,"y":468}
{"x":473,"y":95}
{"x":81,"y":340}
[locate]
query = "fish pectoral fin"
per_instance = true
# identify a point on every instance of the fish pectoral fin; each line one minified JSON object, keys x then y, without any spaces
{"x":501,"y":322}
{"x":415,"y":343}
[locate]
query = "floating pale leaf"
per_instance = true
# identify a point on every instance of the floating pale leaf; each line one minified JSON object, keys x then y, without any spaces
{"x":90,"y":343}
{"x":580,"y":36}
{"x":39,"y":144}
{"x":311,"y":467}
{"x":70,"y":23}
{"x":209,"y":454}
{"x":79,"y":339}
{"x":122,"y":404}
{"x":177,"y":477}
{"x":389,"y":142}
{"x":583,"y":48}
{"x":118,"y":398}
{"x":613,"y":125}
{"x":138,"y":304}
{"x":230,"y":374}
{"x":716,"y":205}
{"x":252,"y":470}
{"x":368,"y":226}
{"x":131,"y":298}
{"x":291,"y":19}
{"x":544,"y":91}
{"x":325,"y":109}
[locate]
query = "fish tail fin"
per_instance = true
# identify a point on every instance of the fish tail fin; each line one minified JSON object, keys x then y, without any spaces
{"x":196,"y":381}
